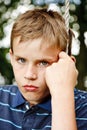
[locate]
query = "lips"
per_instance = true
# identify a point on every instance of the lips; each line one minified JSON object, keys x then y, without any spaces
{"x":30,"y":88}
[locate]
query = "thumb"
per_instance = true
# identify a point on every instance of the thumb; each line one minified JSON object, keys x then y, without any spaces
{"x":63,"y":54}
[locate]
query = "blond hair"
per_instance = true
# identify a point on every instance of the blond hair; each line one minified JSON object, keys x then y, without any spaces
{"x":40,"y":23}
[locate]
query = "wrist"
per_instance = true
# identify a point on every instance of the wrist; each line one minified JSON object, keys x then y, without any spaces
{"x":62,"y":92}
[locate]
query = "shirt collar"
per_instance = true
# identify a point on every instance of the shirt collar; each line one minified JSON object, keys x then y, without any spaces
{"x":19,"y":100}
{"x":46,"y":104}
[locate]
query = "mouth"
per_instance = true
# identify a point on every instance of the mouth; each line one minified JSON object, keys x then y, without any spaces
{"x":30,"y":88}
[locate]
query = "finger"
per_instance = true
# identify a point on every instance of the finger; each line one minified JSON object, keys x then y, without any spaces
{"x":63,"y":54}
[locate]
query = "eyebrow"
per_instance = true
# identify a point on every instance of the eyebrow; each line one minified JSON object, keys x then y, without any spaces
{"x":50,"y":59}
{"x":46,"y":58}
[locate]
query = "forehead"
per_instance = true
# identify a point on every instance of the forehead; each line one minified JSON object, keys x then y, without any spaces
{"x":37,"y":46}
{"x":40,"y":42}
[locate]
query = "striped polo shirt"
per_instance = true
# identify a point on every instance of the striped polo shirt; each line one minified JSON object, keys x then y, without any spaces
{"x":15,"y":113}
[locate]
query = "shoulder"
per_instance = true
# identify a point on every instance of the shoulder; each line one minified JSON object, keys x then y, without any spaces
{"x":80,"y":97}
{"x":81,"y":109}
{"x":8,"y":90}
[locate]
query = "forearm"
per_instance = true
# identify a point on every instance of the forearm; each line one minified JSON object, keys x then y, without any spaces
{"x":61,"y":79}
{"x":63,"y":111}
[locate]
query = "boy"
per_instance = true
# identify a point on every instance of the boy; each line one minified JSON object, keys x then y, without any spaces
{"x":46,"y":76}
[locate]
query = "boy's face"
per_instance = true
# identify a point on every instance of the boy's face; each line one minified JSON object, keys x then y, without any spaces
{"x":29,"y":61}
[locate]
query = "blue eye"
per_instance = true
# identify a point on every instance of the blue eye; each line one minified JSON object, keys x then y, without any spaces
{"x":21,"y":60}
{"x":44,"y":63}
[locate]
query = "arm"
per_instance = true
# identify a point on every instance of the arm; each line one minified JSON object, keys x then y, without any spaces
{"x":61,"y":78}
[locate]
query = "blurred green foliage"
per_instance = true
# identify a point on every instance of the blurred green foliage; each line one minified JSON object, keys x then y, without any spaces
{"x":5,"y":66}
{"x":80,"y":12}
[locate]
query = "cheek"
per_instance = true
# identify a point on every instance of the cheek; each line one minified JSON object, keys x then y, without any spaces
{"x":15,"y":67}
{"x":18,"y":73}
{"x":41,"y":73}
{"x":41,"y":78}
{"x":18,"y":68}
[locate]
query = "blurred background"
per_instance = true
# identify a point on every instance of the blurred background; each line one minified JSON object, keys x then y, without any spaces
{"x":11,"y":9}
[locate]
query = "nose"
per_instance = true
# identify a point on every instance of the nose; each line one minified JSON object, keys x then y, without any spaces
{"x":31,"y":73}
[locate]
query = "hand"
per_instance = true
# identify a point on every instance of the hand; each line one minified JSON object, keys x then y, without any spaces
{"x":62,"y":75}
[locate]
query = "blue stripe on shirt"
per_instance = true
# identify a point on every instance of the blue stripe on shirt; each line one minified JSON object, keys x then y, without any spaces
{"x":7,"y":121}
{"x":7,"y":105}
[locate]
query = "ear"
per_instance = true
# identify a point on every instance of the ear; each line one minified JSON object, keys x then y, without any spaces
{"x":73,"y":58}
{"x":11,"y":56}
